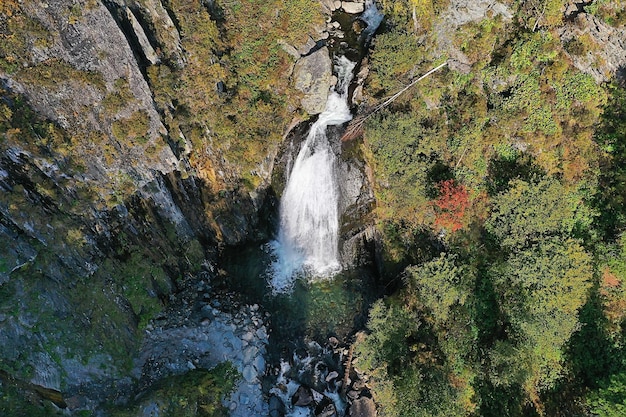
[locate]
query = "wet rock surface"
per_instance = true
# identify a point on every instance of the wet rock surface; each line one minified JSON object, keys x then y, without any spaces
{"x":312,"y":383}
{"x":602,"y":63}
{"x":206,"y":333}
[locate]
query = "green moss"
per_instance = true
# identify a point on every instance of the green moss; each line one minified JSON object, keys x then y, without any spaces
{"x":198,"y":393}
{"x":22,"y":35}
{"x":133,"y":128}
{"x":15,"y":402}
{"x":119,"y":98}
{"x":55,"y":72}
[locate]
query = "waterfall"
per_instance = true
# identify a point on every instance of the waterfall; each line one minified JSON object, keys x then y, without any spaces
{"x":309,"y":209}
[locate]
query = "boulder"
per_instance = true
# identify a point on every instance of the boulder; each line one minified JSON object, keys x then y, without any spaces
{"x":303,"y":397}
{"x":353,"y":7}
{"x":276,"y":407}
{"x":329,"y":5}
{"x":332,"y":376}
{"x":326,"y":408}
{"x":363,"y":407}
{"x":312,"y":76}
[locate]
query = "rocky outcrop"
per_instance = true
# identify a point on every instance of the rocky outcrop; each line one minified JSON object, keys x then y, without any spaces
{"x":595,"y":48}
{"x":101,"y":217}
{"x":459,"y":13}
{"x":89,"y":61}
{"x":353,"y":7}
{"x":159,"y":27}
{"x":313,"y":382}
{"x":312,"y":76}
{"x":350,"y":7}
{"x":147,"y":49}
{"x":204,"y":339}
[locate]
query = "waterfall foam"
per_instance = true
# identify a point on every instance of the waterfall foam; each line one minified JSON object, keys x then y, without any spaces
{"x":309,"y":208}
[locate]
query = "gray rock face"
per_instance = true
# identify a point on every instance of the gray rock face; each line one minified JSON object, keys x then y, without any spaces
{"x":207,"y":340}
{"x":312,"y":76}
{"x":605,"y":62}
{"x":94,"y":44}
{"x":146,"y":47}
{"x":461,"y":12}
{"x":165,"y":32}
{"x":353,"y":7}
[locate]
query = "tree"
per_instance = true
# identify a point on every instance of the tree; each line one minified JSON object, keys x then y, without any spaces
{"x":610,"y":401}
{"x":611,"y":137}
{"x":440,"y":285}
{"x":529,"y":212}
{"x":542,"y":288}
{"x":450,"y":206}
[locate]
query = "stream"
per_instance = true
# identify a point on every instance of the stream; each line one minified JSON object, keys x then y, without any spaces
{"x":315,"y":303}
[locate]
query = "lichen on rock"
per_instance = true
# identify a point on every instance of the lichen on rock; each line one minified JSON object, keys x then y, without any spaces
{"x":312,"y":76}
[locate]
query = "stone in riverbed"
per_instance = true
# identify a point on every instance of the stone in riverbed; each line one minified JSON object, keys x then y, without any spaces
{"x":303,"y":397}
{"x":326,"y":408}
{"x":259,"y":364}
{"x":249,"y":374}
{"x":332,"y":375}
{"x":329,"y":5}
{"x":353,"y":7}
{"x":249,"y":354}
{"x":276,"y":406}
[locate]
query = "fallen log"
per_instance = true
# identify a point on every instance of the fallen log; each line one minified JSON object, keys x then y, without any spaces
{"x":355,"y":127}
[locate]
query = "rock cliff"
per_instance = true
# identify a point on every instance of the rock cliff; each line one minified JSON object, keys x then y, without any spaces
{"x":140,"y":137}
{"x":119,"y":177}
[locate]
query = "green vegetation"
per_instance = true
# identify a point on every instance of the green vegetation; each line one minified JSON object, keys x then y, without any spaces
{"x":54,"y":72}
{"x":198,"y":393}
{"x":236,"y":47}
{"x":500,"y":202}
{"x":134,"y":128}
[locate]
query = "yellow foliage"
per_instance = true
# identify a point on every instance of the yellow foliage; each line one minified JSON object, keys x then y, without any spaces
{"x":134,"y":127}
{"x":9,"y":7}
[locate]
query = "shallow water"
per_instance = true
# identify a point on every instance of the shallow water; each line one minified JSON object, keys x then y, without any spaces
{"x":314,"y":310}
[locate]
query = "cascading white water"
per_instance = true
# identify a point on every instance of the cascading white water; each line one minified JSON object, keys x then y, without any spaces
{"x":309,"y":217}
